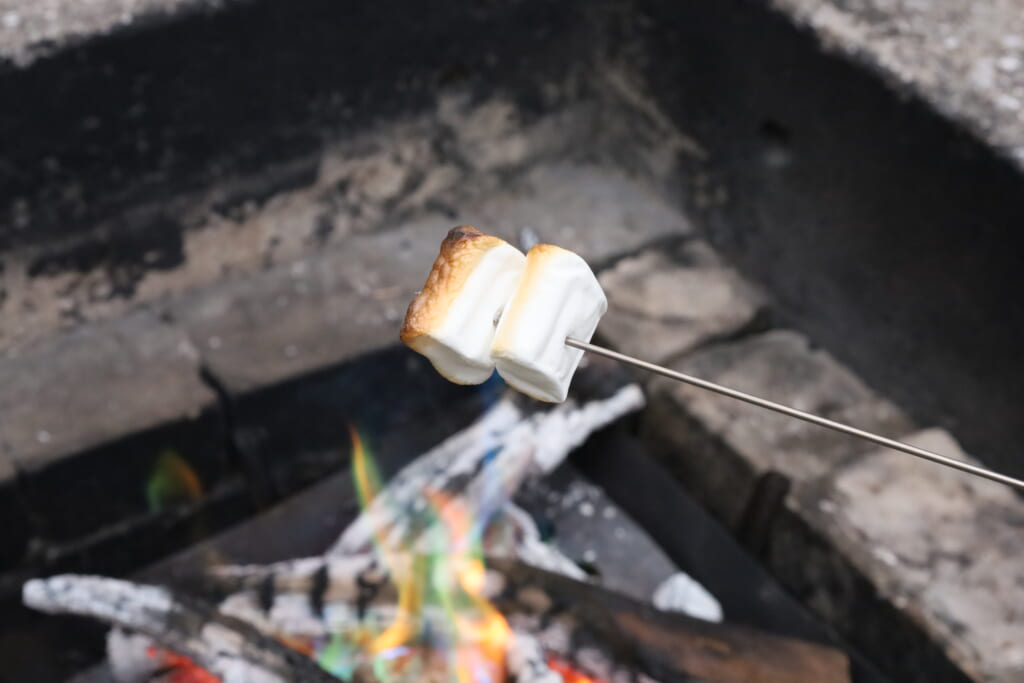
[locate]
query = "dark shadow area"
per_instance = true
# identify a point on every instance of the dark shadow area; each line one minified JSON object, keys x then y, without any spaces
{"x":883,"y":230}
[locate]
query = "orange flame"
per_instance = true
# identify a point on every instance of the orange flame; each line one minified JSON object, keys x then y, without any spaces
{"x":180,"y":669}
{"x":569,"y":674}
{"x":471,"y":641}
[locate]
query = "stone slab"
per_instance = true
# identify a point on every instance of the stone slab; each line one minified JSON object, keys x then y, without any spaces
{"x":720,"y":446}
{"x":313,"y":313}
{"x":665,"y":302}
{"x":598,"y":211}
{"x":965,"y":58}
{"x":94,"y":384}
{"x":350,"y":298}
{"x":943,"y":545}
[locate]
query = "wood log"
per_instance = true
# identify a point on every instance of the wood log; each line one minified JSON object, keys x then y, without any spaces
{"x":660,"y":644}
{"x":227,"y":647}
{"x":664,"y":644}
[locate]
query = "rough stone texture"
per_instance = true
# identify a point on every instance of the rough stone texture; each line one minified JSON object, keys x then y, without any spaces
{"x":493,"y":170}
{"x":598,"y":212}
{"x":918,"y":564}
{"x":315,"y":312}
{"x":95,"y":384}
{"x":322,"y":270}
{"x":728,"y":444}
{"x":942,"y":544}
{"x":666,"y":301}
{"x":30,"y":29}
{"x":369,"y":183}
{"x":965,"y":58}
{"x":330,"y":306}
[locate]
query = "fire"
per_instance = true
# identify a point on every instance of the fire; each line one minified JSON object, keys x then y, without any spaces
{"x":569,"y":674}
{"x":172,"y":482}
{"x":445,"y":627}
{"x":180,"y":669}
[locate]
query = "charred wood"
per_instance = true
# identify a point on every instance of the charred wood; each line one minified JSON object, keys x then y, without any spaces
{"x":227,"y":647}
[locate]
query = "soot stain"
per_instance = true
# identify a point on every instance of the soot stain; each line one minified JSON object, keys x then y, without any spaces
{"x":125,"y":257}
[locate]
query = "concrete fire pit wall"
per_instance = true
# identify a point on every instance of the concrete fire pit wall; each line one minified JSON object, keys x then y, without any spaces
{"x":883,"y":229}
{"x":202,"y":200}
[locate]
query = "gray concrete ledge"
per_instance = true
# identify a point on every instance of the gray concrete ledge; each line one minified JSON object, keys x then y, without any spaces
{"x":93,"y":385}
{"x":919,"y":566}
{"x":965,"y":58}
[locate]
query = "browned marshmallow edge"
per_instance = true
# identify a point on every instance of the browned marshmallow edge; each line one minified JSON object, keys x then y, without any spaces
{"x":461,"y":251}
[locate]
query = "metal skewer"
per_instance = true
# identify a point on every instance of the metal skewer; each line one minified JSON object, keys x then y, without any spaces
{"x":798,"y":414}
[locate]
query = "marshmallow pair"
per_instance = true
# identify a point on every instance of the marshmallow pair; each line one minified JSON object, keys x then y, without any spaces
{"x":487,"y":306}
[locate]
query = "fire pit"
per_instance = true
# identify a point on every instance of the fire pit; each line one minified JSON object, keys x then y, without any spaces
{"x":212,"y":217}
{"x":443,"y":575}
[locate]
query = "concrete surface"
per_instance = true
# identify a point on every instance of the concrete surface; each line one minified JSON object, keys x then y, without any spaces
{"x":30,"y":29}
{"x":493,"y":171}
{"x":94,"y":385}
{"x":918,"y":565}
{"x":666,"y":301}
{"x":729,"y":444}
{"x":263,"y":326}
{"x":325,"y":308}
{"x":965,"y":58}
{"x":942,"y":544}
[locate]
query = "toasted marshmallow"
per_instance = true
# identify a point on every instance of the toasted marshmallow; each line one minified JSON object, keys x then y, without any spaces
{"x":558,"y":297}
{"x":452,"y":321}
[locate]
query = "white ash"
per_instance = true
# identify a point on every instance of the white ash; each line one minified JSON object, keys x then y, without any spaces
{"x":680,"y":593}
{"x":153,"y":612}
{"x":526,"y":661}
{"x":128,"y":654}
{"x":524,"y":448}
{"x":104,"y":598}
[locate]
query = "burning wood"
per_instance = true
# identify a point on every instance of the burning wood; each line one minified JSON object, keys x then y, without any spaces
{"x":441,"y":577}
{"x":372,"y":585}
{"x":227,"y":647}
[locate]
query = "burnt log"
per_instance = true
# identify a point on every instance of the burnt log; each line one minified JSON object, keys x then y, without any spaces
{"x":666,"y":644}
{"x":227,"y":647}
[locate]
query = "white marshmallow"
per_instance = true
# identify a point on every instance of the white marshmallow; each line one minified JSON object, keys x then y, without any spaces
{"x":452,"y":321}
{"x":558,"y":297}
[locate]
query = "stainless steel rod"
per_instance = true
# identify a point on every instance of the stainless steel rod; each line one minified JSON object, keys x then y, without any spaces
{"x":798,"y":414}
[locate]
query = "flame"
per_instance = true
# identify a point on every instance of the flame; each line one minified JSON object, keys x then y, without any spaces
{"x":172,"y":481}
{"x":180,"y":669}
{"x":444,"y":621}
{"x":569,"y":674}
{"x":363,"y":469}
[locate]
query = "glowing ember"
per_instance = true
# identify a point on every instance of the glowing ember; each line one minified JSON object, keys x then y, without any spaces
{"x":179,"y":669}
{"x":445,"y":629}
{"x":569,"y":674}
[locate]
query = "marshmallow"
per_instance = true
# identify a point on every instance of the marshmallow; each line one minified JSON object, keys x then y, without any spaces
{"x":452,"y":321}
{"x":558,"y":297}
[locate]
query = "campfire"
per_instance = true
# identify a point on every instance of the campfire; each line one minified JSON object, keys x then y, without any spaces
{"x":442,"y":576}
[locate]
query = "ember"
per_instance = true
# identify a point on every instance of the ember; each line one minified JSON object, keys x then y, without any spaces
{"x":177,"y":669}
{"x":568,"y":673}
